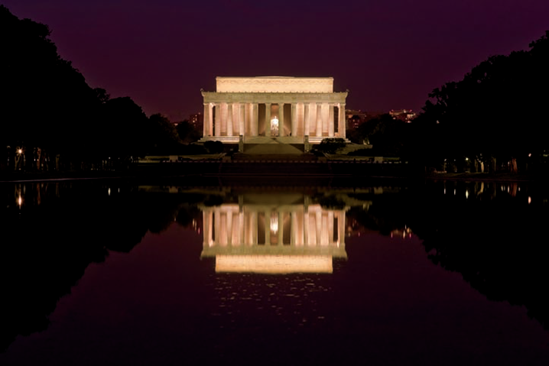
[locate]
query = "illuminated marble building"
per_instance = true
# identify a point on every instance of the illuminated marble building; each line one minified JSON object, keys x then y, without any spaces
{"x":288,"y":234}
{"x":284,"y":108}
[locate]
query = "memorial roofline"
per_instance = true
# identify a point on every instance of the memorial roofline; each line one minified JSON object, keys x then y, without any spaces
{"x":274,"y":84}
{"x":274,"y":77}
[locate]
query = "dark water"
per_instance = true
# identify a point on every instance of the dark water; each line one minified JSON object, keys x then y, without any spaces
{"x":115,"y":274}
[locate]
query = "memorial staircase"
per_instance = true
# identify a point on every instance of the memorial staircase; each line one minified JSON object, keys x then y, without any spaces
{"x":261,"y":145}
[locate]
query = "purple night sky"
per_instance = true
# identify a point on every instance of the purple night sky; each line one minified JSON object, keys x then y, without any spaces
{"x":389,"y":54}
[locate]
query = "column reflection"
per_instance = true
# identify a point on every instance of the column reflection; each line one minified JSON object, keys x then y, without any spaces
{"x":273,"y":233}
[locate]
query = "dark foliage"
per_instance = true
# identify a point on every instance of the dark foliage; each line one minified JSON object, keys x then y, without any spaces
{"x":214,"y":147}
{"x":47,"y":106}
{"x":331,"y":145}
{"x":187,"y":132}
{"x":495,"y":113}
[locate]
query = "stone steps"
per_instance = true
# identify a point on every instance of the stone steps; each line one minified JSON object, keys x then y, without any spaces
{"x":272,"y":149}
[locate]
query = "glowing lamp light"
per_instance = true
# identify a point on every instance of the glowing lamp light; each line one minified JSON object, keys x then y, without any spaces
{"x":274,"y":224}
{"x":20,"y":151}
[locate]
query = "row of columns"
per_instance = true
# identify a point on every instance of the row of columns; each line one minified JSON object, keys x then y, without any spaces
{"x":229,"y":227}
{"x":304,"y":116}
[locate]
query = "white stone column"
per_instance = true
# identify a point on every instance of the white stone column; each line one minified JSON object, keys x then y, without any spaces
{"x":242,"y":119}
{"x":280,"y":119}
{"x":325,"y":233}
{"x":341,"y":229}
{"x":306,"y":227}
{"x":331,"y":227}
{"x":223,"y":237}
{"x":293,"y":226}
{"x":217,"y":119}
{"x":217,"y":226}
{"x":318,"y":216}
{"x":312,"y":118}
{"x":248,"y":119}
{"x":267,"y":227}
{"x":306,"y":118}
{"x":206,"y":230}
{"x":300,"y":119}
{"x":229,"y":226}
{"x":294,"y":119}
{"x":280,"y":228}
{"x":342,"y":123}
{"x":224,"y":118}
{"x":207,"y":128}
{"x":230,"y":119}
{"x":254,"y":228}
{"x":318,"y":128}
{"x":331,"y":120}
{"x":236,"y":119}
{"x":255,"y":119}
{"x":249,"y":228}
{"x":325,"y":116}
{"x":241,"y":227}
{"x":267,"y":119}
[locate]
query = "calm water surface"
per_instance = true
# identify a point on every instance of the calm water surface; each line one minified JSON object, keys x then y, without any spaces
{"x":115,"y":274}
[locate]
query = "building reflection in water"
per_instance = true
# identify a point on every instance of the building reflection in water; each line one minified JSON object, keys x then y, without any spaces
{"x":273,"y":233}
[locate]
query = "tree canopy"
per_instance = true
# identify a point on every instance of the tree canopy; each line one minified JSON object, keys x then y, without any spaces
{"x":47,"y":104}
{"x":495,"y":111}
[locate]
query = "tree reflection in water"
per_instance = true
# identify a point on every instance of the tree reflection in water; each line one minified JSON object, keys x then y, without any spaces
{"x":52,"y":232}
{"x":494,"y":236}
{"x":491,"y":234}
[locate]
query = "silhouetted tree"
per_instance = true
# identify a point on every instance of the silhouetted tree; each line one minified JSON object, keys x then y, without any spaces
{"x":124,"y":129}
{"x":495,"y":112}
{"x":164,"y":135}
{"x":387,"y":135}
{"x":46,"y":102}
{"x":47,"y":105}
{"x":187,"y":132}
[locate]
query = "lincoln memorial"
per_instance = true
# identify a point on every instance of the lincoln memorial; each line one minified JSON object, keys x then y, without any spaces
{"x":285,"y":109}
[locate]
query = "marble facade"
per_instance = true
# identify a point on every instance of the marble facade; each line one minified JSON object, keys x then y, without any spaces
{"x":286,"y":108}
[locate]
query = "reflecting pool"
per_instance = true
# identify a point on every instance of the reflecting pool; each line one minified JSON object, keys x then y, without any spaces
{"x":440,"y":273}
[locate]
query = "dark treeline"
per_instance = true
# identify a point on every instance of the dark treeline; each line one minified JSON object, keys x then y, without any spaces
{"x":387,"y":135}
{"x":51,"y":119}
{"x":492,"y":119}
{"x":494,"y":115}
